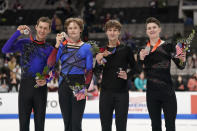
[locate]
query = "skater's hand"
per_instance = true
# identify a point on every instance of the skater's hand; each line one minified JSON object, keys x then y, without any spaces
{"x":99,"y":56}
{"x":182,"y":56}
{"x":21,"y":28}
{"x":122,"y":74}
{"x":81,"y":95}
{"x":41,"y":82}
{"x":59,"y":39}
{"x":143,"y":54}
{"x":106,"y":53}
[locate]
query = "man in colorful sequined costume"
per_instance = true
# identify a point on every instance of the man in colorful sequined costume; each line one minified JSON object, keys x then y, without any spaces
{"x":76,"y":73}
{"x":34,"y":55}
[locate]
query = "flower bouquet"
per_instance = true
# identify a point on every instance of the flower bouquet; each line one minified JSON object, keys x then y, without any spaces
{"x":79,"y":91}
{"x":46,"y":75}
{"x":184,"y":44}
{"x":77,"y":88}
{"x":95,"y":48}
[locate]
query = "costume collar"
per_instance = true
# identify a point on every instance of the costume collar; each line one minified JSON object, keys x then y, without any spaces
{"x":36,"y":41}
{"x":155,"y":46}
{"x":68,"y":41}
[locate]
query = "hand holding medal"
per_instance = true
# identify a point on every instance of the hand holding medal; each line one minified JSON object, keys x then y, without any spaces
{"x":24,"y":29}
{"x":147,"y":50}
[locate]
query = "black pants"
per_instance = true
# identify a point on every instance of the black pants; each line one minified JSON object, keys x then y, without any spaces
{"x":72,"y":110}
{"x":110,"y":101}
{"x":32,"y":98}
{"x":155,"y":103}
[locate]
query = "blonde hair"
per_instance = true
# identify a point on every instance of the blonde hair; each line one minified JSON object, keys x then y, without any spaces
{"x":78,"y":21}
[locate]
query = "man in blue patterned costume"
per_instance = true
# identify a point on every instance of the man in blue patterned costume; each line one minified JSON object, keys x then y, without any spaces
{"x":76,"y":73}
{"x":34,"y":55}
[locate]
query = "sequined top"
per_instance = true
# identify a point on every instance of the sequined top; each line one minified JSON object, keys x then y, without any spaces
{"x":33,"y":56}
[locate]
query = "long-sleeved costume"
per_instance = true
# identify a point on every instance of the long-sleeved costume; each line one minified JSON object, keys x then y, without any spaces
{"x":33,"y":59}
{"x":114,"y":91}
{"x":76,"y":67}
{"x":160,"y":91}
{"x":34,"y":56}
{"x":74,"y":61}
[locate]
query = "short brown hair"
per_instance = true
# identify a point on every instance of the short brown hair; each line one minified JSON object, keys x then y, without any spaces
{"x":153,"y":20}
{"x":44,"y":19}
{"x":112,"y":23}
{"x":78,"y":21}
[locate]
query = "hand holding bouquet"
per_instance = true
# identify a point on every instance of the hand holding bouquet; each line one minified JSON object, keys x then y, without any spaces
{"x":183,"y":46}
{"x":44,"y":78}
{"x":79,"y":91}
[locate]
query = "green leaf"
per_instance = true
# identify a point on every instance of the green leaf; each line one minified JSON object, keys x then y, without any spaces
{"x":38,"y":75}
{"x":94,"y":47}
{"x":45,"y":71}
{"x":77,"y":84}
{"x":42,"y":77}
